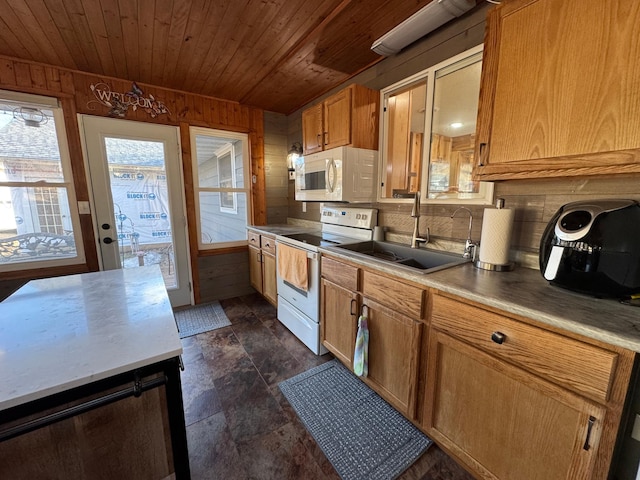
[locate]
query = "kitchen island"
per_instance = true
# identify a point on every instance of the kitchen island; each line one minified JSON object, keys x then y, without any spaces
{"x":90,"y":379}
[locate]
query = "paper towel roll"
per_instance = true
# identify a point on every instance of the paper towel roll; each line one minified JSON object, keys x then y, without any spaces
{"x":495,"y":238}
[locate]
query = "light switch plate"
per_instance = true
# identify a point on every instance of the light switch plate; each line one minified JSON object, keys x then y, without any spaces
{"x":635,"y":433}
{"x":83,"y":208}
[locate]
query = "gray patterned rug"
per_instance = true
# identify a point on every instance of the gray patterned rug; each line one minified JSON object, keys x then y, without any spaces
{"x":200,"y":318}
{"x":361,"y":434}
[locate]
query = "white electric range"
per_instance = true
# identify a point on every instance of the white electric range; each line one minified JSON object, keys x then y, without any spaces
{"x":299,"y":310}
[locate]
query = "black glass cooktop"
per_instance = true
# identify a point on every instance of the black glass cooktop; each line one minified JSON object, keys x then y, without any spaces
{"x":315,"y":240}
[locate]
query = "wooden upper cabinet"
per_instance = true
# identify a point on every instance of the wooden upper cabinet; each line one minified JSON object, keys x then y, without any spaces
{"x":312,"y":128}
{"x":347,"y":118}
{"x":559,"y":93}
{"x":337,"y":119}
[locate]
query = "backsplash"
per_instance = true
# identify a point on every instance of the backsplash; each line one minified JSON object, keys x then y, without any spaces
{"x":534,"y":201}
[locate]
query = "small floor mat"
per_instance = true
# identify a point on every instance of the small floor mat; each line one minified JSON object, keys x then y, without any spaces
{"x":200,"y":318}
{"x":360,"y":433}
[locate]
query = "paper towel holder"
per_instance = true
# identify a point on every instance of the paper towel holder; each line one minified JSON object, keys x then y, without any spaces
{"x":506,"y":267}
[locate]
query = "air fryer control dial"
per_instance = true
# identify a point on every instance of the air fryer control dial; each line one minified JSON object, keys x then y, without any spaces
{"x":575,"y":221}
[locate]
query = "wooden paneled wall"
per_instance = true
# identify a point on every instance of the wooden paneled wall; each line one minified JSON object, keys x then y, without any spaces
{"x":73,"y":89}
{"x":276,"y":148}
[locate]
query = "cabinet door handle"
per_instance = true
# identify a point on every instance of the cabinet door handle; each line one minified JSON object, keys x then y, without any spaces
{"x":586,"y":445}
{"x":498,"y":337}
{"x":326,"y":138}
{"x":319,"y":138}
{"x":353,"y":311}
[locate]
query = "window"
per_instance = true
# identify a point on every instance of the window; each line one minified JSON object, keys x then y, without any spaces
{"x":39,"y":224}
{"x":428,"y":134}
{"x":222,"y":188}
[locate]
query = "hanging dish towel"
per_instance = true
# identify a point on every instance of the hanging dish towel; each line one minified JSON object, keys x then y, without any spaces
{"x":361,"y":354}
{"x":293,"y":266}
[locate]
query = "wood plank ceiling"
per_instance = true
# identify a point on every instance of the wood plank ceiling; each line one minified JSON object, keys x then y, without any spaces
{"x":274,"y":54}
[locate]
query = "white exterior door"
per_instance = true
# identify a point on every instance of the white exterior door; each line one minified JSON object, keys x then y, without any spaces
{"x":138,"y":203}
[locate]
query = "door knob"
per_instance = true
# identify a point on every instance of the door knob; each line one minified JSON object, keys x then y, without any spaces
{"x":107,"y":240}
{"x":105,"y":226}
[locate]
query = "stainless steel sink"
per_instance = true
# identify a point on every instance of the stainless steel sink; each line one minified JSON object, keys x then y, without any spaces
{"x":419,"y":260}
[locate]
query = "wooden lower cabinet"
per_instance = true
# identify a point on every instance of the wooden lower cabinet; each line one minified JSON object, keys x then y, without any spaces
{"x":508,"y":397}
{"x":515,"y":401}
{"x":394,"y":347}
{"x":255,"y":268}
{"x":262,"y":265}
{"x":269,"y":277}
{"x":504,"y":422}
{"x":339,"y":311}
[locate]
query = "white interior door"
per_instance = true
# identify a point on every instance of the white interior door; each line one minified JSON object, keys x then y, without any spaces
{"x":136,"y":181}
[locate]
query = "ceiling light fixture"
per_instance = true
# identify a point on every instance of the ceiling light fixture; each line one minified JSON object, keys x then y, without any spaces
{"x":435,"y":14}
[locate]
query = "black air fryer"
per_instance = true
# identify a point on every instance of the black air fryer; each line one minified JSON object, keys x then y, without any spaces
{"x":593,"y":247}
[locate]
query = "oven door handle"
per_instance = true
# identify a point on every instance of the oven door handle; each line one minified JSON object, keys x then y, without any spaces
{"x":331,"y":175}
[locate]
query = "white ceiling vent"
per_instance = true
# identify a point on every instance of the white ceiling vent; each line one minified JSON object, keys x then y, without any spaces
{"x":437,"y":13}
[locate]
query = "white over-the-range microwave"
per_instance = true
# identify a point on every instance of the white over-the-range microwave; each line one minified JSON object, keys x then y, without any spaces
{"x":342,"y":174}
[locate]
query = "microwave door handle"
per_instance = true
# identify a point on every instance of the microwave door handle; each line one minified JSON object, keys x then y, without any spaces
{"x":331,"y":173}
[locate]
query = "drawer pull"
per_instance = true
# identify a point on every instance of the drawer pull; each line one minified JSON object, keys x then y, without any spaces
{"x":586,"y":445}
{"x":498,"y":337}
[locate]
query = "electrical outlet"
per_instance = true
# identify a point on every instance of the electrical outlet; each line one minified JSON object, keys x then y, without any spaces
{"x":635,"y":433}
{"x":304,"y":207}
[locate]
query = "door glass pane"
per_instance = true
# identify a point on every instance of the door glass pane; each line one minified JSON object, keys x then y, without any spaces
{"x":140,"y":196}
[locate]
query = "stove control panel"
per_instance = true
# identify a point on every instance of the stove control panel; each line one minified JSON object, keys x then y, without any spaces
{"x":366,"y":218}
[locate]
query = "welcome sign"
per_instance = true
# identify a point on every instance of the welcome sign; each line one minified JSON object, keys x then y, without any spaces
{"x":119,"y":102}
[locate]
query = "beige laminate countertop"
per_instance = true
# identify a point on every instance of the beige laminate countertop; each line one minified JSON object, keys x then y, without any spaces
{"x":281,"y":229}
{"x":525,"y":292}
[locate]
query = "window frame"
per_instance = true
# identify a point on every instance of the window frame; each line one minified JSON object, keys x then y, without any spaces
{"x":20,"y":99}
{"x":194,"y":132}
{"x":430,"y":74}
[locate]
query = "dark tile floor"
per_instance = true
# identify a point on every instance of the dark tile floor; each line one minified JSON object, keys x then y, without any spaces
{"x":239,"y":425}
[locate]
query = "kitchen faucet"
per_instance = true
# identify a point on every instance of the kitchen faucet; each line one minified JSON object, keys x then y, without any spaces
{"x":469,"y":246}
{"x":415,"y":213}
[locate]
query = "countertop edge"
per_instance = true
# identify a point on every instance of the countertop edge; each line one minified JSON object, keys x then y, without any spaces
{"x":86,"y":380}
{"x":625,"y":334}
